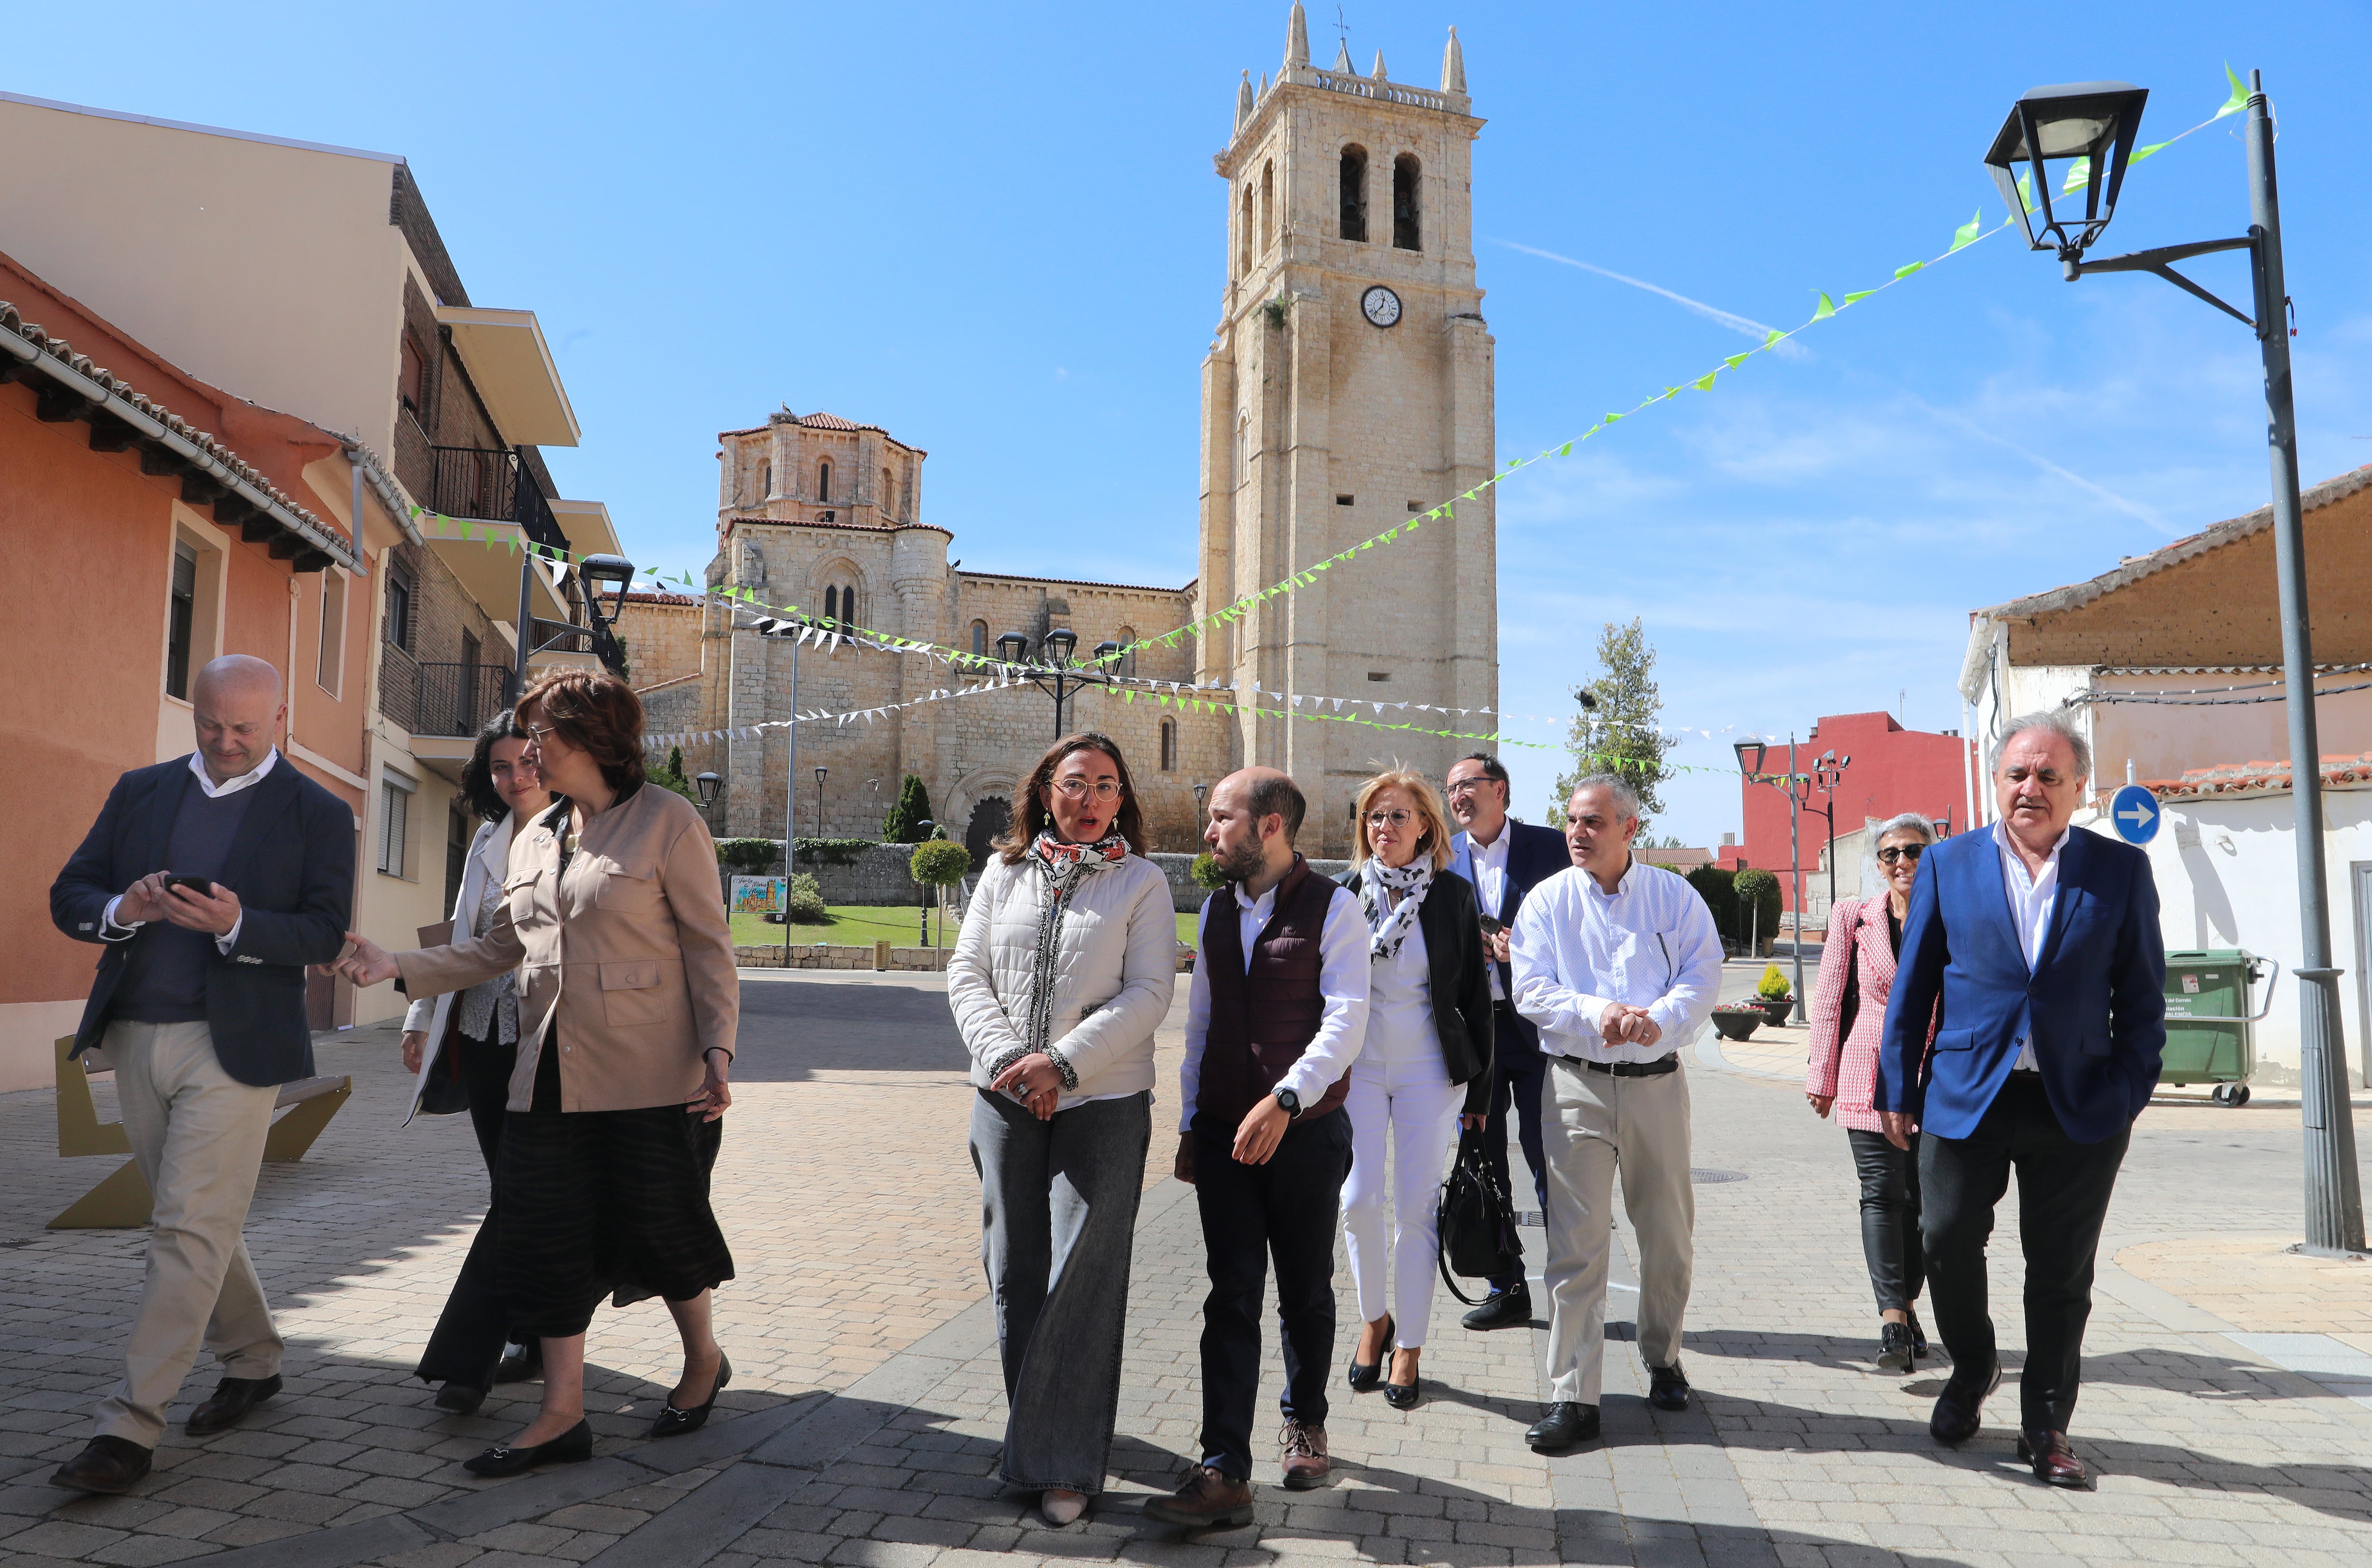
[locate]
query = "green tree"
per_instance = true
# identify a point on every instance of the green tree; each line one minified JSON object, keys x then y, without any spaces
{"x":671,"y":775}
{"x":1617,"y":730}
{"x":904,"y":823}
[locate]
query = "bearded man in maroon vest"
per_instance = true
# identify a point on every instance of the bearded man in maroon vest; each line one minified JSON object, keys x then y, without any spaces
{"x":1277,"y":1011}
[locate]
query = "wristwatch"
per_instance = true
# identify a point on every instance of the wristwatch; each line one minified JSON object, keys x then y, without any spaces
{"x":1291,"y":1101}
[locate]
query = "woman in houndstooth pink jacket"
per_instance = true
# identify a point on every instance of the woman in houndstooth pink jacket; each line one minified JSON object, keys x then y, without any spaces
{"x":1848,"y":1014}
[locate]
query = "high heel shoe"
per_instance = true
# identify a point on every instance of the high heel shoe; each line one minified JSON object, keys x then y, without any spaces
{"x":1364,"y":1378}
{"x":673,"y":1423}
{"x":1402,"y":1396}
{"x":573,"y":1447}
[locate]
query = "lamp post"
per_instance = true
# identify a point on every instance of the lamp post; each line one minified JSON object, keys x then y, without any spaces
{"x":1828,"y":771}
{"x":1751,"y":754}
{"x":819,"y":773}
{"x":1056,"y":676}
{"x":599,"y":575}
{"x":707,"y":784}
{"x":2099,"y":120}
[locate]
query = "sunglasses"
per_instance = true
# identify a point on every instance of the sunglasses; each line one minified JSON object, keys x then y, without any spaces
{"x":1893,"y":853}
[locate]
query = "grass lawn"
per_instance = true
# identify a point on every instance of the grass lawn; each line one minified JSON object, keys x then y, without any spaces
{"x":852,"y":925}
{"x":861,"y":926}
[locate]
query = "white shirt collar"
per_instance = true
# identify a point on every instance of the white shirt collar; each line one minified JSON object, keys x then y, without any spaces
{"x":2003,"y":841}
{"x":1622,"y":883}
{"x":247,"y":780}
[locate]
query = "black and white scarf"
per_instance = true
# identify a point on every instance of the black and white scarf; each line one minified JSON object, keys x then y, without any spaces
{"x":1062,"y":866}
{"x":1391,"y":922}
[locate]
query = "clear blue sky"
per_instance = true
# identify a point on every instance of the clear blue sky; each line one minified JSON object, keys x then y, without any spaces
{"x":995,"y":231}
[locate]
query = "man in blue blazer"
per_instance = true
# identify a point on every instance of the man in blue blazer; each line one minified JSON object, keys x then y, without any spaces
{"x":1504,"y":859}
{"x":199,"y":1008}
{"x":2043,"y":945}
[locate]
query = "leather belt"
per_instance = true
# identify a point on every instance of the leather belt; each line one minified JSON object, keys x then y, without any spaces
{"x":1655,"y":1069}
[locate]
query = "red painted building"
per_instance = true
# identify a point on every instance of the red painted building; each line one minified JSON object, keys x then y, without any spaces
{"x":1893,"y":770}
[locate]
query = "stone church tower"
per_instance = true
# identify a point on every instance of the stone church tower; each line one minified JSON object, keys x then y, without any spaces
{"x":1349,"y":385}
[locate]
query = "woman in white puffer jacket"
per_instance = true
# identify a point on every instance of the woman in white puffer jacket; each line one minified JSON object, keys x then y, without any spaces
{"x":1062,"y":973}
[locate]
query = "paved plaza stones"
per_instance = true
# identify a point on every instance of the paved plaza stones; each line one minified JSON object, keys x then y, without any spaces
{"x":864,"y":1419}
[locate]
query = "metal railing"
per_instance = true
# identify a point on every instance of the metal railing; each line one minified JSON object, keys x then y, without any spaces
{"x":492,"y":484}
{"x":441,"y":699}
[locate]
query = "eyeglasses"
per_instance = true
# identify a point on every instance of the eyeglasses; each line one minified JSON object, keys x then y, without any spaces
{"x":536,"y":732}
{"x":1079,"y":789}
{"x":1464,"y":786}
{"x":1390,"y":818}
{"x":1893,"y":853}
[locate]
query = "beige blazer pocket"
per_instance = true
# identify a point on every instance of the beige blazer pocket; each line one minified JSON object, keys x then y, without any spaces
{"x":628,"y":890}
{"x":518,"y":891}
{"x":631,"y":993}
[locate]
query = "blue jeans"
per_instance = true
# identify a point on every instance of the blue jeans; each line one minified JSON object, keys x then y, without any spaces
{"x":1058,"y":1226}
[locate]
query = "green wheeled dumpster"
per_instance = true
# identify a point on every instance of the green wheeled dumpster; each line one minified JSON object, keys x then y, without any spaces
{"x":2210,"y":1021}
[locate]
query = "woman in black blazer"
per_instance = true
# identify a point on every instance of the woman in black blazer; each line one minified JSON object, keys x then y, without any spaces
{"x":1425,"y":1069}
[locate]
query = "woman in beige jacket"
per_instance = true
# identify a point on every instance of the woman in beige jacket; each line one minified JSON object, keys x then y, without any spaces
{"x":628,"y":1004}
{"x":1062,"y":973}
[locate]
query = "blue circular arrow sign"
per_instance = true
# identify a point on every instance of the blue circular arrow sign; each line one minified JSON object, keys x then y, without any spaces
{"x":2134,"y":812}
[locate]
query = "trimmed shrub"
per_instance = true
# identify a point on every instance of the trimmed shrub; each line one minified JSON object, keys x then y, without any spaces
{"x":803,"y":902}
{"x":831,"y":852}
{"x":904,"y":823}
{"x":1206,"y":873}
{"x":1758,"y":913}
{"x":939,"y":864}
{"x":1717,"y":888}
{"x":1773,"y":984}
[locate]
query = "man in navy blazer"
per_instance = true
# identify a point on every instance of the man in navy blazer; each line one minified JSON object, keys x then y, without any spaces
{"x":1504,"y":859}
{"x":2043,"y":944}
{"x":199,"y":1007}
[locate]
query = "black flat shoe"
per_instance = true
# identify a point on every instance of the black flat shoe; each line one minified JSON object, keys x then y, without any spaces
{"x":459,"y":1398}
{"x":520,"y":1364}
{"x":1567,"y":1425}
{"x":1895,"y":1350}
{"x":1959,"y":1409}
{"x":673,"y":1423}
{"x":573,"y":1447}
{"x":1364,"y":1378}
{"x":1918,"y":1336}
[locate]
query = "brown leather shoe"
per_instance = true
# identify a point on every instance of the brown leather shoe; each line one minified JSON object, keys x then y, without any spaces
{"x":1304,"y":1449}
{"x":2054,"y":1462}
{"x":109,"y":1464}
{"x":1208,"y":1501}
{"x":229,"y":1404}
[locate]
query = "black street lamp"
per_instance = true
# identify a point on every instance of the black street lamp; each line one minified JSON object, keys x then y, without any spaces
{"x":2101,"y":119}
{"x":1056,"y":675}
{"x":708,"y":785}
{"x":605,"y":574}
{"x":1797,"y":788}
{"x":819,"y":773}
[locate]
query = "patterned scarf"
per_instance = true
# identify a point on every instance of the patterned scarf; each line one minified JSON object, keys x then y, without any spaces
{"x":1391,"y":924}
{"x":1064,"y":867}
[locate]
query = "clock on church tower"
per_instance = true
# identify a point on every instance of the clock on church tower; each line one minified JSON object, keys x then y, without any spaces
{"x":1348,"y":386}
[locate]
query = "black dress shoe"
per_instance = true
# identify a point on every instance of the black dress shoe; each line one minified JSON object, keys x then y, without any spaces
{"x":1363,"y":1377}
{"x":2054,"y":1462}
{"x":1918,"y":1334}
{"x":1667,"y":1388}
{"x":459,"y":1398}
{"x":1959,"y":1409}
{"x":673,"y":1423}
{"x":1567,"y":1425}
{"x":229,"y":1404}
{"x":1505,"y":1309}
{"x":520,"y":1362}
{"x":1896,"y":1349}
{"x":571,"y":1448}
{"x":109,"y":1464}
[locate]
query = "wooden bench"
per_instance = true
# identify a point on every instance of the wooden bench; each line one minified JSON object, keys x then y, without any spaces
{"x":122,"y":1201}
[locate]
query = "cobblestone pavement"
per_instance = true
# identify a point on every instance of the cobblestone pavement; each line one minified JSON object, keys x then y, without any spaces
{"x":2221,"y":1408}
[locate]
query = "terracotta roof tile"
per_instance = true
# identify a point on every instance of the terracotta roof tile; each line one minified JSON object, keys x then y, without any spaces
{"x":2258,"y":776}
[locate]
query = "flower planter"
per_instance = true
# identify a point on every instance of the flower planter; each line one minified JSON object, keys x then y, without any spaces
{"x":1775,"y":1011}
{"x":1737,"y":1023}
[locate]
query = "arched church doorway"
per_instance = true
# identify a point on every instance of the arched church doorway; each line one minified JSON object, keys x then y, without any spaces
{"x":989,"y":818}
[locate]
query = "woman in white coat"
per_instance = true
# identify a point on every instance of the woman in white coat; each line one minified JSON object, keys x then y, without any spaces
{"x":1063,"y":972}
{"x":467,"y":1042}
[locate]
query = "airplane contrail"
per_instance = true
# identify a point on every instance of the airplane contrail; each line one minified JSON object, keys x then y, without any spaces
{"x":1734,"y":323}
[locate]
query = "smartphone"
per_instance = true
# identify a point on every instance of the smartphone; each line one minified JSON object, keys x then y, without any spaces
{"x":1491,"y":927}
{"x":195,"y":884}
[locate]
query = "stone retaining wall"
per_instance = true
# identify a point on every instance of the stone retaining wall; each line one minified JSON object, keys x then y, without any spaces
{"x":826,"y":955}
{"x":880,"y":876}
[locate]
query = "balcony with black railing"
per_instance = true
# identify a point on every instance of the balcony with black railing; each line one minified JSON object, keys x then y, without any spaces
{"x":492,"y":484}
{"x":441,"y":699}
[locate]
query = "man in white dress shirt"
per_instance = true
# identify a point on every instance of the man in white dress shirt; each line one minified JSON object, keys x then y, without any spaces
{"x":1618,"y":963}
{"x":1276,"y":1014}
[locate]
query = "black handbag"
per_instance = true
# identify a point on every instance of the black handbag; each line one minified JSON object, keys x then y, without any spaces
{"x":1476,"y":1221}
{"x":447,"y":1093}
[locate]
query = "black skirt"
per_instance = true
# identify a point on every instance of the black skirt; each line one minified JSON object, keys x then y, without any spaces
{"x":604,"y":1202}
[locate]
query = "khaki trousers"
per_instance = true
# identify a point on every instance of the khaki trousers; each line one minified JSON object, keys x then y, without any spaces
{"x":198,"y":1135}
{"x":1596,"y":1123}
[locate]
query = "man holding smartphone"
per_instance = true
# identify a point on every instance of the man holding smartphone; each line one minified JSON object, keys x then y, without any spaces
{"x":211,"y":881}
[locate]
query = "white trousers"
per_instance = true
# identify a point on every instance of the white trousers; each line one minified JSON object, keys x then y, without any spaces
{"x":1596,"y":1123}
{"x":1419,"y":1104}
{"x":198,"y":1135}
